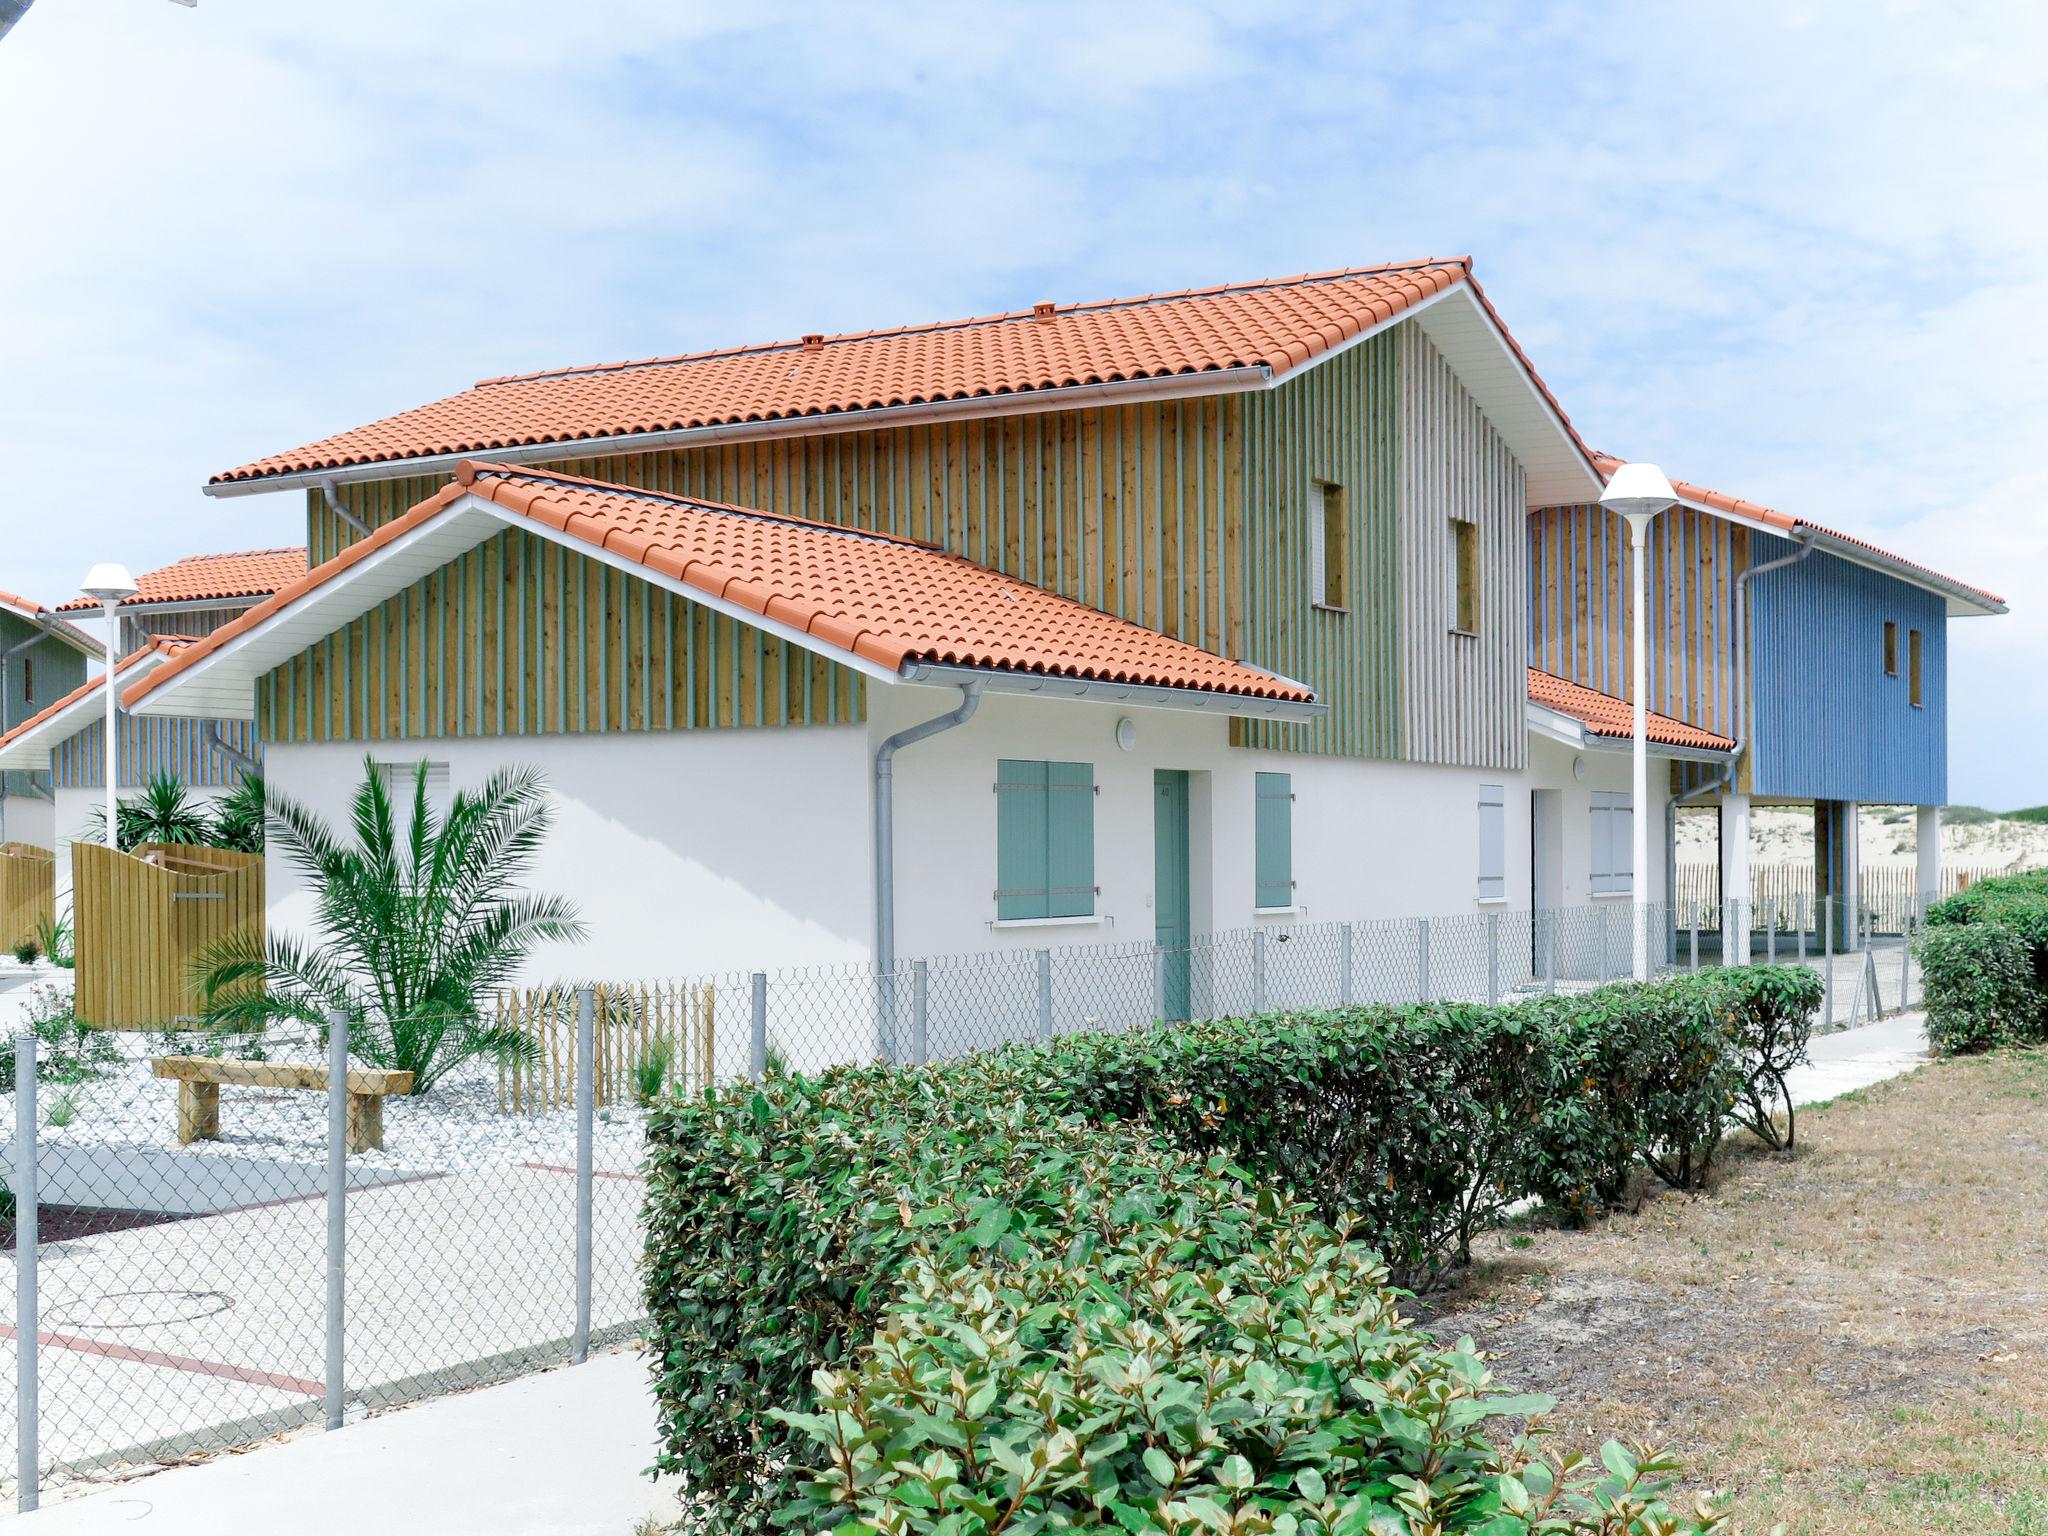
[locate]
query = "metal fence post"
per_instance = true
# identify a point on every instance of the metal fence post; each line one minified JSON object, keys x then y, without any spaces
{"x":1344,"y":982}
{"x":1549,"y":920}
{"x":1258,"y":971}
{"x":27,"y":1314}
{"x":586,"y":1177}
{"x":758,"y":1055}
{"x":1422,"y":959}
{"x":1045,"y":994}
{"x":920,"y":1016}
{"x":1606,"y":943}
{"x":1695,"y":956}
{"x":1771,"y":932}
{"x":1799,"y":917}
{"x":1158,"y":983}
{"x":337,"y":1208}
{"x":1492,"y":959}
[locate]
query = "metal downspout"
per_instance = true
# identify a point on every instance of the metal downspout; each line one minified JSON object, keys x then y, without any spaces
{"x":885,"y":818}
{"x":234,"y":754}
{"x":329,"y":490}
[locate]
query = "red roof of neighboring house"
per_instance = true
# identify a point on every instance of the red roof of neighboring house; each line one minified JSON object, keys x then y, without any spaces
{"x":1276,"y":323}
{"x":1755,"y":512}
{"x":1605,"y":715}
{"x":158,"y":646}
{"x":204,"y":578}
{"x":891,"y":601}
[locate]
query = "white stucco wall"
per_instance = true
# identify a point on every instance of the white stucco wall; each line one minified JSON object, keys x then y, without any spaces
{"x":688,"y":853}
{"x":72,"y":821}
{"x":29,"y":819}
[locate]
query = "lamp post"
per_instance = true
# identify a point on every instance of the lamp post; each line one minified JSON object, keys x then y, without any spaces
{"x":108,"y":583}
{"x":1639,"y":492}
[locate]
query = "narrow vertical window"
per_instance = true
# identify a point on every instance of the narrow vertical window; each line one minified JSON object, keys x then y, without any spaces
{"x":1913,"y":668}
{"x":28,"y":679}
{"x":1465,"y":554}
{"x":1891,"y":647}
{"x":1493,"y":843}
{"x":1273,"y":837}
{"x":1329,"y":546}
{"x":1045,"y":840}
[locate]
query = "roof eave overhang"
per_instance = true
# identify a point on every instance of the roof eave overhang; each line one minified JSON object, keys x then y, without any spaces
{"x":30,"y":750}
{"x":1041,"y":685}
{"x":1572,"y":732}
{"x":1174,"y":386}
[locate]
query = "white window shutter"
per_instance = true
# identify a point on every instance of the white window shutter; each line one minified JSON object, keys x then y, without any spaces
{"x":1318,"y":550}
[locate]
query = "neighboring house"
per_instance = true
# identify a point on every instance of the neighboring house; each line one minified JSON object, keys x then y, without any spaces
{"x":1230,"y":587}
{"x":42,"y":657}
{"x":1821,"y":656}
{"x":172,"y":608}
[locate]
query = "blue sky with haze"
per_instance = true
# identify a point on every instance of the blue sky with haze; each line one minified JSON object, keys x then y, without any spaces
{"x":1794,"y":252}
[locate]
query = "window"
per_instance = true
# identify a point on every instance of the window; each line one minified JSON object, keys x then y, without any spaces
{"x":1465,"y":549}
{"x":401,"y":784}
{"x":1891,"y":647}
{"x":1329,"y":546}
{"x":1913,"y":668}
{"x":1493,"y":843}
{"x":28,"y":679}
{"x":1614,"y":834}
{"x":1273,"y":837}
{"x":1045,"y":840}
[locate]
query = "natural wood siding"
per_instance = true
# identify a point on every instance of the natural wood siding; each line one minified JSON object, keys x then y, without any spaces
{"x":1463,"y":694}
{"x":1578,"y":602}
{"x":477,"y":649}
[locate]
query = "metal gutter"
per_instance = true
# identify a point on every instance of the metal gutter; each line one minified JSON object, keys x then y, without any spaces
{"x":1137,"y":695}
{"x":1742,"y":580}
{"x":1571,"y":732}
{"x":1176,"y":386}
{"x":232,"y":753}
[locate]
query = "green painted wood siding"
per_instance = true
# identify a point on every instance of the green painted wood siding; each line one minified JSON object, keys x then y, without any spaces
{"x":1273,"y":840}
{"x":1190,"y":517}
{"x":481,"y":648}
{"x":53,"y":668}
{"x":1045,"y":839}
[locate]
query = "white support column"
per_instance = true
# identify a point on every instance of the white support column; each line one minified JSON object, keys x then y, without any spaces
{"x":1852,"y":874}
{"x":1639,"y":792}
{"x":1735,"y":879}
{"x":1927,"y":854}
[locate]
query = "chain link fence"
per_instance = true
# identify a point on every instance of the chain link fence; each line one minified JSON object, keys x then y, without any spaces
{"x":219,"y":1239}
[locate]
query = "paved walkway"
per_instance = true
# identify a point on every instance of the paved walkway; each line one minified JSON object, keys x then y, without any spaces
{"x":1855,"y":1058}
{"x":558,"y":1454}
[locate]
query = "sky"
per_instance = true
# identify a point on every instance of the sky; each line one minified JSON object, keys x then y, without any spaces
{"x":1796,"y":252}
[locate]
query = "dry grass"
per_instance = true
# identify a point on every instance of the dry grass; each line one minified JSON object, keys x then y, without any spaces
{"x":1852,"y":1338}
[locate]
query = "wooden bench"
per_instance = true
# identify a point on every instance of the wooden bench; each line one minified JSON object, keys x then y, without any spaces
{"x":199,"y":1080}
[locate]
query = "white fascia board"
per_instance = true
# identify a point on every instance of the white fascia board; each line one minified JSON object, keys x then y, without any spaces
{"x":1558,"y":726}
{"x":1135,"y":695}
{"x":32,"y":748}
{"x":1023,"y":402}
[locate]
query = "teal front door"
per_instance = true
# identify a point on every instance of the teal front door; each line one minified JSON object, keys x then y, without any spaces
{"x":1170,"y":887}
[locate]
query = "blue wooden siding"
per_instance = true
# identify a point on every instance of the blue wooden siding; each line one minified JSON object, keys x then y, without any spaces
{"x":54,"y":667}
{"x":151,"y":745}
{"x":1830,"y":724}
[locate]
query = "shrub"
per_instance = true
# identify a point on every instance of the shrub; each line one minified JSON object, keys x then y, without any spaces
{"x":1775,"y":1005}
{"x":27,"y":951}
{"x":66,"y":1051}
{"x":163,"y":812}
{"x":1979,"y":983}
{"x":53,"y":937}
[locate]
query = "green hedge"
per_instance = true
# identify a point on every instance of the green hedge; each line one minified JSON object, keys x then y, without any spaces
{"x":1984,"y":958}
{"x":817,"y":1249}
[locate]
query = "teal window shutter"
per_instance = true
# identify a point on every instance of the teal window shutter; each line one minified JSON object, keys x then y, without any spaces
{"x":1045,"y":840}
{"x":1273,"y":839}
{"x":1493,"y":843}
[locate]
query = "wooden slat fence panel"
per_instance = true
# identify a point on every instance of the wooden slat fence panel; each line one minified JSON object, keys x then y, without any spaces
{"x":143,"y":919}
{"x":635,"y":1023}
{"x":1786,"y":888}
{"x":28,"y":891}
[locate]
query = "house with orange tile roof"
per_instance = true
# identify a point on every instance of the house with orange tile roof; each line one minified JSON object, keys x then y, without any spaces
{"x":63,"y":740}
{"x":1123,"y":620}
{"x":42,"y":655}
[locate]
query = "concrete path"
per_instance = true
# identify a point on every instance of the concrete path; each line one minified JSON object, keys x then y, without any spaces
{"x":1855,"y":1058}
{"x":558,"y":1454}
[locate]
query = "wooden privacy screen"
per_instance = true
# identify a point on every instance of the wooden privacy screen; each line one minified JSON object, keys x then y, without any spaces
{"x":144,"y":918}
{"x":667,"y":1022}
{"x":28,"y":891}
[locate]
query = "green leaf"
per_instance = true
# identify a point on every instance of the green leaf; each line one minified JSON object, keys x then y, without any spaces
{"x":1160,"y":1465}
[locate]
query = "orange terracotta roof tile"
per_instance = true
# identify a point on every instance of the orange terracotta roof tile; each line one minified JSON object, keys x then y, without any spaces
{"x":203,"y":578}
{"x":892,"y":601}
{"x":1275,"y":323}
{"x":1755,"y":512}
{"x":159,"y":646}
{"x":1605,"y":715}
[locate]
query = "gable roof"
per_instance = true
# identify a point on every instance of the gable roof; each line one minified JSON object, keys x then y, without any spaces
{"x":1963,"y":598}
{"x":208,"y":578}
{"x":29,"y":744}
{"x":1198,"y":341}
{"x":1603,"y":715}
{"x":897,"y":610}
{"x":46,"y":618}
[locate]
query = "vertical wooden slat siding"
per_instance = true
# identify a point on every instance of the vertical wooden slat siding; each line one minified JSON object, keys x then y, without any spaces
{"x":28,"y":891}
{"x":1579,"y":609}
{"x":1184,"y":516}
{"x":151,"y":745}
{"x":137,"y":939}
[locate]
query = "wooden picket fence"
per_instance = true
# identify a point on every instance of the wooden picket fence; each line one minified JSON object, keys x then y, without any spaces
{"x":635,"y":1023}
{"x":28,"y":891}
{"x":142,"y":921}
{"x":1786,"y":888}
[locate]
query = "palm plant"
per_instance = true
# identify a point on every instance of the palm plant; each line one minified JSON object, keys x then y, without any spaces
{"x":238,"y":817}
{"x":417,"y":931}
{"x":164,"y":812}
